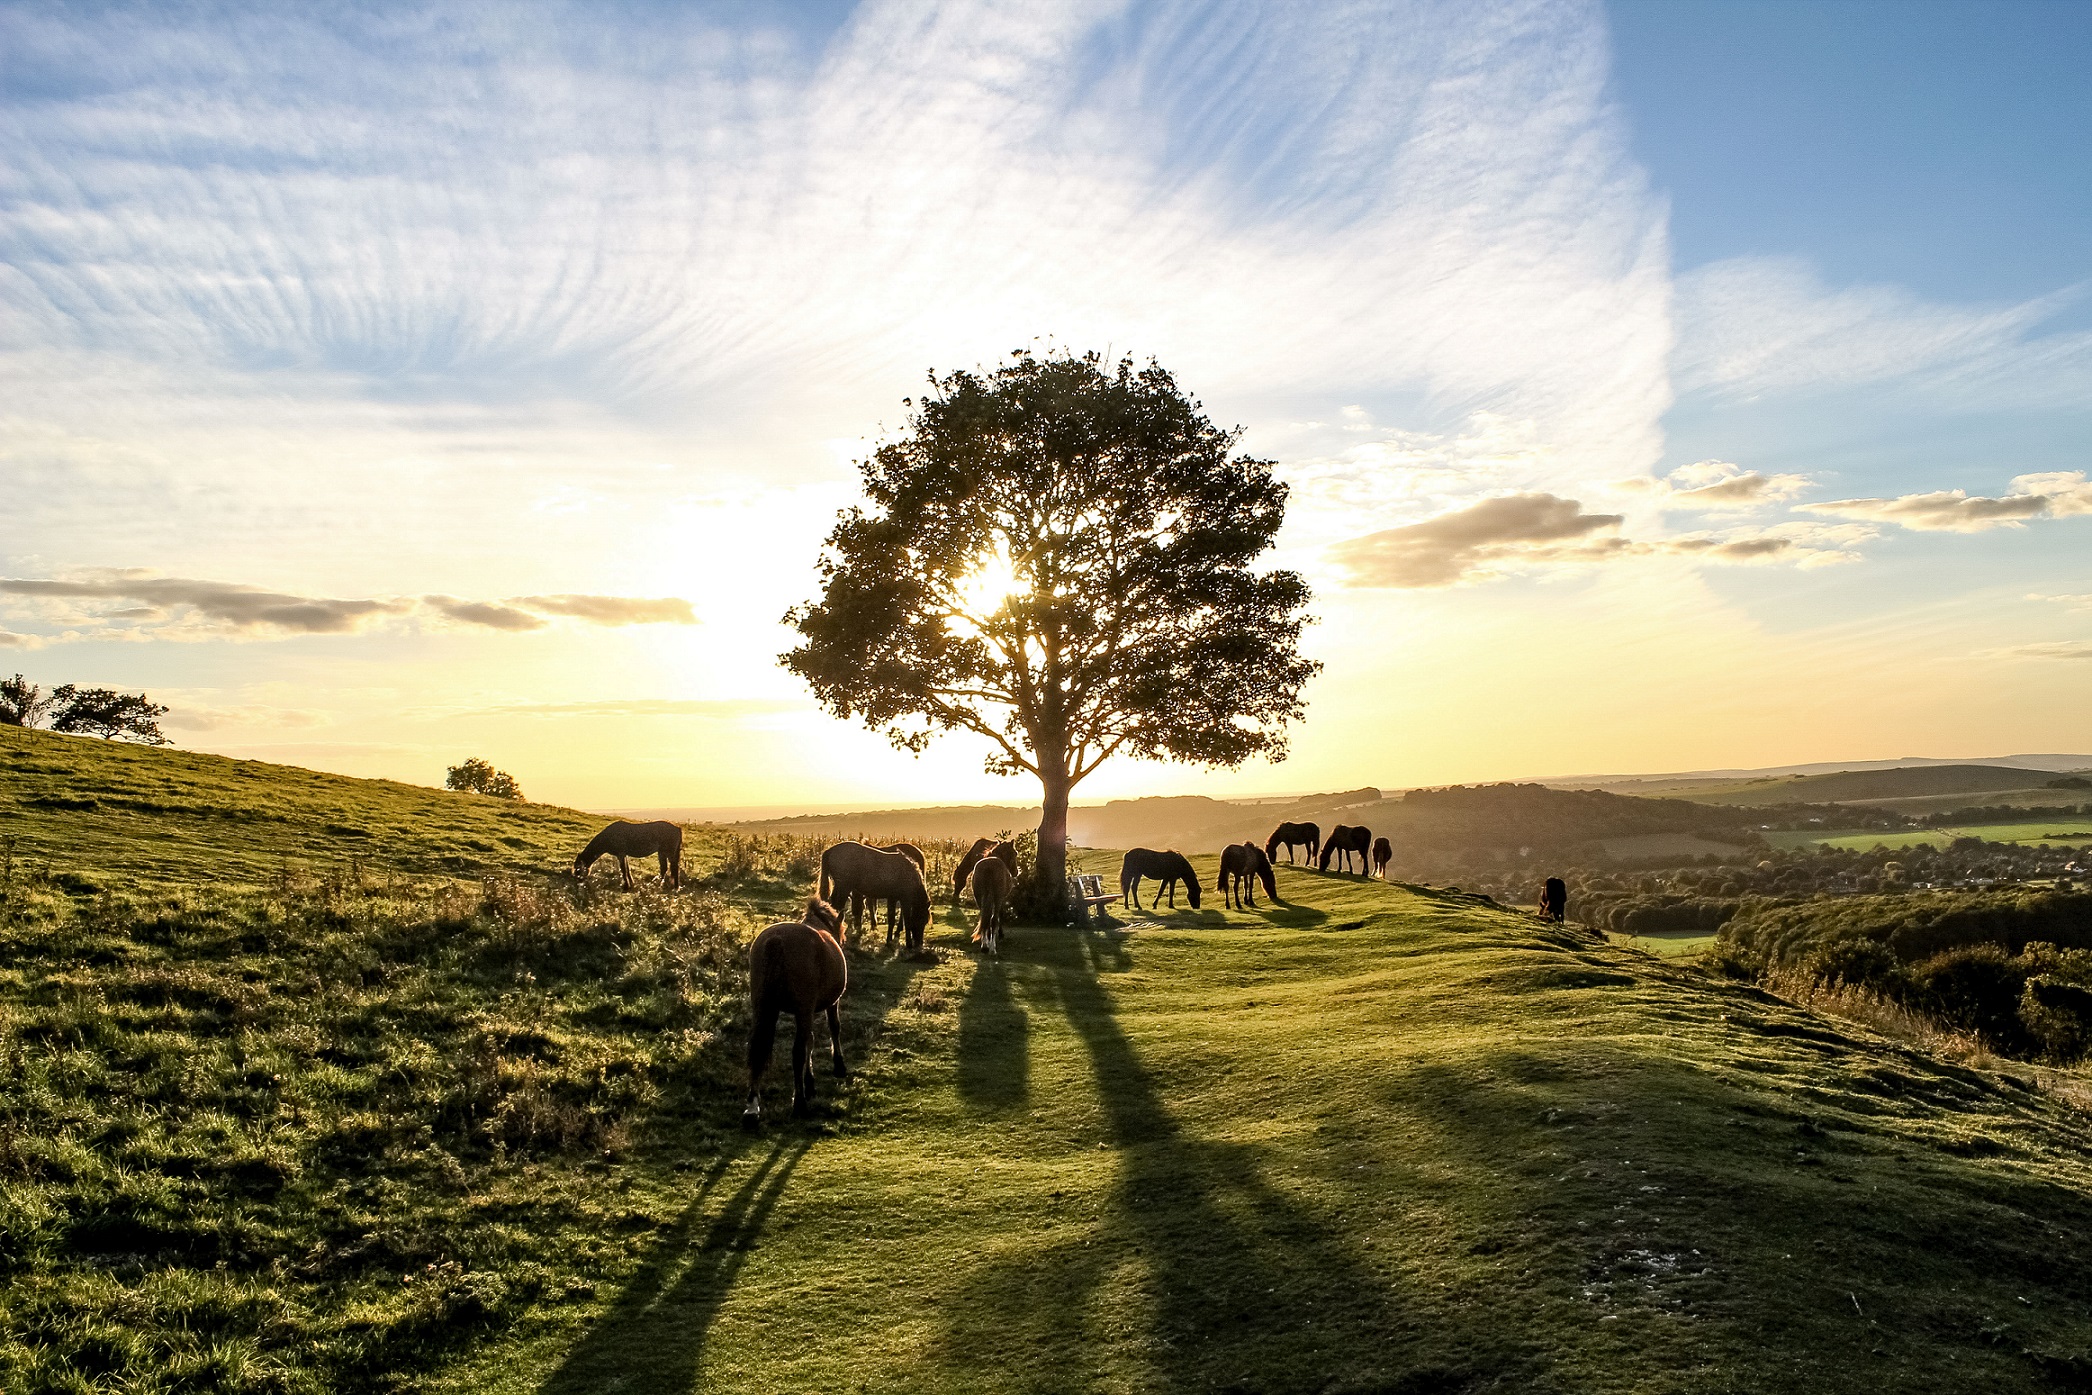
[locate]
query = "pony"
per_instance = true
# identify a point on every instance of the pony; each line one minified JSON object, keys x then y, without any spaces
{"x":1242,"y":866}
{"x":992,"y":888}
{"x":622,"y":840}
{"x":914,"y":855}
{"x":1383,"y":853}
{"x":795,"y":966}
{"x":1167,"y":868}
{"x":858,"y":872}
{"x":1288,"y":835}
{"x":1344,"y":840}
{"x":1004,"y":852}
{"x":1554,"y":899}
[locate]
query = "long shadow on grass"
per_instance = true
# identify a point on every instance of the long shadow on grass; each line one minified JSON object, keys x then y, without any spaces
{"x":994,"y":1042}
{"x":1196,"y":1265}
{"x":653,"y":1337}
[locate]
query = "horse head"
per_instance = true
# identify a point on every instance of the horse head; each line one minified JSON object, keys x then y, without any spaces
{"x":822,"y":916}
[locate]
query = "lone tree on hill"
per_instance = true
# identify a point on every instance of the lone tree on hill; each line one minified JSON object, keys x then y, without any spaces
{"x":476,"y":776}
{"x":1057,"y":556}
{"x":22,"y":703}
{"x":108,"y":714}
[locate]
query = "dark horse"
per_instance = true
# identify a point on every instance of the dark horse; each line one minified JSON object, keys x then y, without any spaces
{"x":854,"y":873}
{"x":795,"y":966}
{"x":1554,"y":899}
{"x":1291,"y":835}
{"x":1242,"y":866}
{"x":855,"y":910}
{"x":1345,"y":840}
{"x":992,"y":888}
{"x":962,"y":876}
{"x":622,"y":840}
{"x":1383,"y":853}
{"x":1167,"y":868}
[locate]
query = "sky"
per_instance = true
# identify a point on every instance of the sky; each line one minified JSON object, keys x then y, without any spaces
{"x":1661,"y":386}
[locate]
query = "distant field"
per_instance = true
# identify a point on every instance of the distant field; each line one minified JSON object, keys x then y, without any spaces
{"x":1861,"y":841}
{"x":1930,"y":784}
{"x":1682,"y":946}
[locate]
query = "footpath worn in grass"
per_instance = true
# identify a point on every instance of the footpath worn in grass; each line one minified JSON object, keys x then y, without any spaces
{"x":359,"y":1129}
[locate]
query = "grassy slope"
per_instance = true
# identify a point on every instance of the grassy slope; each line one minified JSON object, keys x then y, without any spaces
{"x":1939,"y":837}
{"x":1920,"y":782}
{"x":1380,"y":1140}
{"x":110,"y":813}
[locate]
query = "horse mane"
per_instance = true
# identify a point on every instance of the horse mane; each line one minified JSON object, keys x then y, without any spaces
{"x":822,"y":916}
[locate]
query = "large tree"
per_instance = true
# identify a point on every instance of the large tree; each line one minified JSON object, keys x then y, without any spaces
{"x":1058,"y":556}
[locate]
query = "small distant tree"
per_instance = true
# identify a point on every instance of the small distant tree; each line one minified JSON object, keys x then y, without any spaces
{"x":22,"y":703}
{"x":475,"y":776}
{"x":1057,"y":556}
{"x":106,"y":713}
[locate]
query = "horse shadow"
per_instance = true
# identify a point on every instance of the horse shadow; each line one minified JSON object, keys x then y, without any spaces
{"x":653,"y":1337}
{"x":994,"y":1047}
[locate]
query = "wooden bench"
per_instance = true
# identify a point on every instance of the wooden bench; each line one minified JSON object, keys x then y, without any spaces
{"x":1087,"y":896}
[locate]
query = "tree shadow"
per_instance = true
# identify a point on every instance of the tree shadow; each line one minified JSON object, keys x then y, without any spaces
{"x":653,"y":1337}
{"x":994,"y":1042}
{"x":1234,"y":1283}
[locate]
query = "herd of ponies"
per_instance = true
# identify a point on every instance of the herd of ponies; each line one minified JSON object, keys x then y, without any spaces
{"x":798,"y":966}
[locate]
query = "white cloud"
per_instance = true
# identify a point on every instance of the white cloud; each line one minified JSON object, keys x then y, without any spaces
{"x":2067,"y":649}
{"x":2050,"y":495}
{"x":1760,"y":324}
{"x":1716,"y":485}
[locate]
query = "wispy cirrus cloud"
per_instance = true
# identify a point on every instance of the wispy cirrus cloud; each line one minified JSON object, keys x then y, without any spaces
{"x":2057,"y":494}
{"x":196,"y":608}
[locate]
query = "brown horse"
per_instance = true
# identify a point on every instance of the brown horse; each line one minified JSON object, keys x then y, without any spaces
{"x":1167,"y":868}
{"x":1345,"y":840}
{"x":1291,"y":835}
{"x":962,"y":876}
{"x":1383,"y":853}
{"x":1554,"y":899}
{"x":795,"y":966}
{"x":858,"y":872}
{"x":622,"y":840}
{"x":992,"y":888}
{"x":1242,"y":866}
{"x":914,"y":855}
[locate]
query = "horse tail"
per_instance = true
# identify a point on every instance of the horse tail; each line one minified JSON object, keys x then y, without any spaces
{"x":762,"y":1032}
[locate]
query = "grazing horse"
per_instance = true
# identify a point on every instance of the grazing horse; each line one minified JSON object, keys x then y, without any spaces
{"x":1383,"y":853}
{"x":795,"y":966}
{"x":1554,"y":899}
{"x":962,"y":876}
{"x":1242,"y":866}
{"x":992,"y":888}
{"x":622,"y":840}
{"x":860,"y":872}
{"x":1344,"y":840}
{"x":1167,"y":868}
{"x":1291,"y":835}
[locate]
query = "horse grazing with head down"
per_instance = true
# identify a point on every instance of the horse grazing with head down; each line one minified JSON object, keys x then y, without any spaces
{"x":1383,"y":853}
{"x":992,"y":888}
{"x":1290,"y":836}
{"x":622,"y":840}
{"x":853,"y":873}
{"x":1242,"y":866}
{"x":1167,"y":868}
{"x":1344,"y":840}
{"x":856,"y":908}
{"x":795,"y":966}
{"x":1002,"y":851}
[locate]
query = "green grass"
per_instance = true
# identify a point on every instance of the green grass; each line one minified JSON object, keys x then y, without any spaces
{"x":2029,"y":833}
{"x":108,"y":814}
{"x":410,"y":1133}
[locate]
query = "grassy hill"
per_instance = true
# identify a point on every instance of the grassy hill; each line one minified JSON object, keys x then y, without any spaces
{"x":1889,"y":788}
{"x":109,"y":814}
{"x":420,"y":1133}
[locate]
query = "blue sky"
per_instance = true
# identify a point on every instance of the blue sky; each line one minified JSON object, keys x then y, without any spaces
{"x":386,"y":384}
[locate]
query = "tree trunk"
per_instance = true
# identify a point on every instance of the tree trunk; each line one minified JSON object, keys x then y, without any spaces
{"x":1053,"y":839}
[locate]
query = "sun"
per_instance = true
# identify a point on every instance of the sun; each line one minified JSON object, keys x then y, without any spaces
{"x":993,"y":580}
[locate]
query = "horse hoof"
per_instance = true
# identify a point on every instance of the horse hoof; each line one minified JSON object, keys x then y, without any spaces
{"x":752,"y":1120}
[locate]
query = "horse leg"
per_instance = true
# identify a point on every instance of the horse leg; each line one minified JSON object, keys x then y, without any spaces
{"x":835,"y":1039}
{"x":802,"y":1072}
{"x":624,"y":872}
{"x":762,"y":1036}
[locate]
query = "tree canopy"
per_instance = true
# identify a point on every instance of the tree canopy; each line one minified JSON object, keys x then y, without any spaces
{"x":108,"y":714}
{"x":1058,"y":556}
{"x":476,"y":776}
